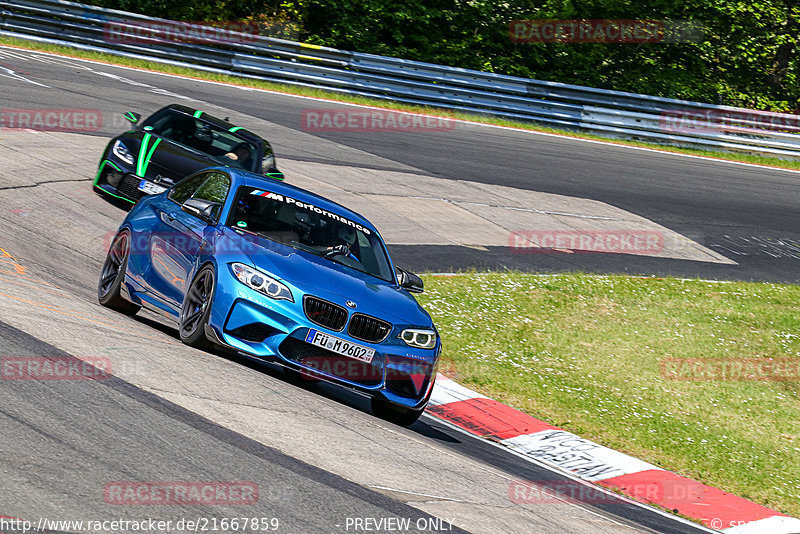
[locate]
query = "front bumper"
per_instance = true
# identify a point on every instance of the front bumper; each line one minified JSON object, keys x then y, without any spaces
{"x":254,"y":324}
{"x":115,"y":180}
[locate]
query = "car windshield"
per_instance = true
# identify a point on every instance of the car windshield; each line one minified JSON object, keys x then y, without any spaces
{"x":220,"y":144}
{"x":309,"y":228}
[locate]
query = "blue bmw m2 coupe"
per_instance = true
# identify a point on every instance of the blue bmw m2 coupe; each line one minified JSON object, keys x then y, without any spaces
{"x":245,"y":263}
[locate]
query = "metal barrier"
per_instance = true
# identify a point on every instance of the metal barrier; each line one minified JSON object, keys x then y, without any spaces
{"x":608,"y":113}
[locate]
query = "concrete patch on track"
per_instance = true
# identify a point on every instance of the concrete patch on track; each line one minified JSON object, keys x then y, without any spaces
{"x":409,"y":208}
{"x":48,"y":211}
{"x":30,"y":157}
{"x":415,"y":209}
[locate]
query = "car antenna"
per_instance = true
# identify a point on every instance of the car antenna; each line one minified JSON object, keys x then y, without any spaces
{"x":227,"y":119}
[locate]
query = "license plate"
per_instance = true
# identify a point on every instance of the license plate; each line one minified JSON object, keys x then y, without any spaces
{"x":150,"y":188}
{"x":340,"y":346}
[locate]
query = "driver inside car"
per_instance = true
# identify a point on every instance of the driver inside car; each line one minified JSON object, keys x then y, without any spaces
{"x":348,"y":244}
{"x":241,"y":155}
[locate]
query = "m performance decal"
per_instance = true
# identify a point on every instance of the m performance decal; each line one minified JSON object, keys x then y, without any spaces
{"x":310,"y":207}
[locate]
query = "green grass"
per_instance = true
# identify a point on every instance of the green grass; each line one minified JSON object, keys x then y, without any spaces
{"x":583,"y":352}
{"x":320,"y":93}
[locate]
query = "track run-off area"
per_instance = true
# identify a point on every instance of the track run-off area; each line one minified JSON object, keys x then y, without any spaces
{"x":445,"y":200}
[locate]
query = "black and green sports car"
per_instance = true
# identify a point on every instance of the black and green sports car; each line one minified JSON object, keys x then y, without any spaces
{"x":173,"y":143}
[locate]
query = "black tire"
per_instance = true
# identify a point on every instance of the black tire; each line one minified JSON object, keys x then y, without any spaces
{"x":113,"y":274}
{"x":197,"y":308}
{"x":394,"y":414}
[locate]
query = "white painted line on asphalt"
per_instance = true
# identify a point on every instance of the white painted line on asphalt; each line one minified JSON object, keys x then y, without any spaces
{"x":395,"y":490}
{"x":512,"y":208}
{"x":9,"y":73}
{"x":15,"y":55}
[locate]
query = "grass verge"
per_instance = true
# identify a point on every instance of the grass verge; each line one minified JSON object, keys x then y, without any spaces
{"x":585,"y":353}
{"x":330,"y":95}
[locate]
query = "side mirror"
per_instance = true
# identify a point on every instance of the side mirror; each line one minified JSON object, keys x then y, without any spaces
{"x":409,"y":281}
{"x":268,"y":168}
{"x":133,"y":117}
{"x":205,"y":210}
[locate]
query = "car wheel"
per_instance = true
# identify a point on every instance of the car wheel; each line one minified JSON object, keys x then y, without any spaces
{"x":113,"y":274}
{"x":196,"y":310}
{"x":394,"y":414}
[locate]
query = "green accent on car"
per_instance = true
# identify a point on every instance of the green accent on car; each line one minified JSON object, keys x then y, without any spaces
{"x":131,"y":116}
{"x":275,"y":175}
{"x":103,"y":166}
{"x":241,"y":224}
{"x":97,"y":178}
{"x":115,"y":196}
{"x":197,"y":114}
{"x":234,"y":129}
{"x":144,"y":156}
{"x":142,"y":152}
{"x":150,"y":155}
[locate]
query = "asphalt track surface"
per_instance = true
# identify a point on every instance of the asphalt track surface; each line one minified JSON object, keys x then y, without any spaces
{"x":316,"y":454}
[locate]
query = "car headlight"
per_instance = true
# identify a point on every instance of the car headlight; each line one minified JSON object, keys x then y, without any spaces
{"x":122,"y":152}
{"x":421,"y":339}
{"x":261,"y":282}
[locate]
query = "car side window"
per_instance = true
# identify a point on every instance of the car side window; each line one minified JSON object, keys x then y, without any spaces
{"x":160,"y":121}
{"x":215,"y":188}
{"x":183,"y":190}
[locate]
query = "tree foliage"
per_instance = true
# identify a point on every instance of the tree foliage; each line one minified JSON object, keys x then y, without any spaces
{"x":746,"y":56}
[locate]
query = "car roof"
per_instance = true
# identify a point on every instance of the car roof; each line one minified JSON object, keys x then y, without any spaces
{"x":240,"y":177}
{"x":216,"y":121}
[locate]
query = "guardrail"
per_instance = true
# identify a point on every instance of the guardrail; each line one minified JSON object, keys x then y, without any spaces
{"x":603,"y":112}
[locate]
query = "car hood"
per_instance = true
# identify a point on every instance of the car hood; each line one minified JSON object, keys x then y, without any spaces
{"x":329,"y":280}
